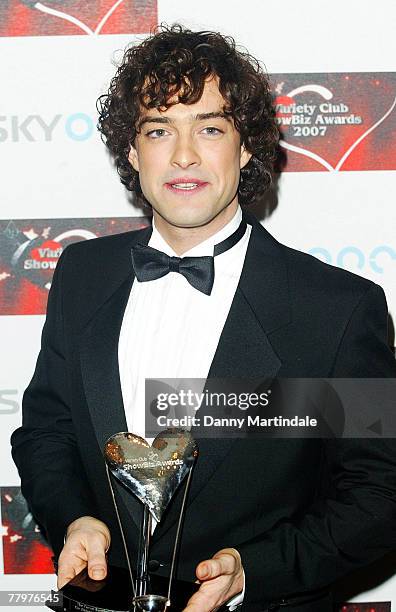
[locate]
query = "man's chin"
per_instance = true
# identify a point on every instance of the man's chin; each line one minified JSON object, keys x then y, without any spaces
{"x":187,"y":219}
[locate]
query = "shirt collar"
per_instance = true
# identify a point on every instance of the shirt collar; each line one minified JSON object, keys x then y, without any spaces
{"x":203,"y":248}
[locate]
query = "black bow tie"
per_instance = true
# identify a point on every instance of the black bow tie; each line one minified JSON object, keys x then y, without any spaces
{"x":150,"y":263}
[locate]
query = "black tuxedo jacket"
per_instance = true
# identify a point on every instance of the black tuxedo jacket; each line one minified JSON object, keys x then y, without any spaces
{"x":301,"y":512}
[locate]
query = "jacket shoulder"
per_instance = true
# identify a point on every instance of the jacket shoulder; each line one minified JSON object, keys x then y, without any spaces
{"x":306,"y":274}
{"x":319,"y":276}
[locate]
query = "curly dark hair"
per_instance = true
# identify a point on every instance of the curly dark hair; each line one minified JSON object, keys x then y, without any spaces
{"x":175,"y":60}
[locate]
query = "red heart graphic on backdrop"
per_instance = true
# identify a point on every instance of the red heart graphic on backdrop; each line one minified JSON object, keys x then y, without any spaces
{"x":326,"y":120}
{"x":70,"y":17}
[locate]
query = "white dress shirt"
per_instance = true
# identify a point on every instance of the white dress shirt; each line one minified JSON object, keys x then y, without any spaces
{"x":170,"y":329}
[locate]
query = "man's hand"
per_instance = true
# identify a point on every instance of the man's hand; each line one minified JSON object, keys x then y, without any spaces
{"x":87,"y":541}
{"x":221,"y":579}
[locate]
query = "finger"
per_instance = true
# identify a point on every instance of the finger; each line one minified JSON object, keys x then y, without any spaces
{"x":97,"y":566}
{"x":65,"y":574}
{"x":223,"y":564}
{"x":70,"y":563}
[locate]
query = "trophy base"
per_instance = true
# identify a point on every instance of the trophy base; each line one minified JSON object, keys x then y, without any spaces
{"x":114,"y":594}
{"x":150,"y":603}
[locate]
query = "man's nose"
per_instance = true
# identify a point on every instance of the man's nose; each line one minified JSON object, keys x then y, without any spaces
{"x":185,"y":153}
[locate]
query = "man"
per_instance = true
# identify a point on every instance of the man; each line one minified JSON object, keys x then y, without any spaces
{"x":190,"y":123}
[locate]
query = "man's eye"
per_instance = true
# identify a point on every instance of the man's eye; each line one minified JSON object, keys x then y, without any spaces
{"x":156,"y":133}
{"x":212,"y":130}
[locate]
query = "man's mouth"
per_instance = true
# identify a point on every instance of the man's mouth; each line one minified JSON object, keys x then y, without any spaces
{"x":185,"y":186}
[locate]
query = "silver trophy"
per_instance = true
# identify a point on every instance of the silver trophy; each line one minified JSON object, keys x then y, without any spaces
{"x":153,"y":474}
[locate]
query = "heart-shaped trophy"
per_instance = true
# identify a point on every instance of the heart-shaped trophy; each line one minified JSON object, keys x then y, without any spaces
{"x":153,"y":474}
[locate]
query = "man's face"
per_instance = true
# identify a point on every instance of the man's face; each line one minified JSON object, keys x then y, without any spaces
{"x":189,"y":159}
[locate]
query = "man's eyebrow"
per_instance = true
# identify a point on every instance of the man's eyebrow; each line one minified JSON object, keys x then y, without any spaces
{"x":169,"y":120}
{"x":212,"y":115}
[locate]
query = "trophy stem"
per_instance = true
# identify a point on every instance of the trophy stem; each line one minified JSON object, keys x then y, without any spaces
{"x":155,"y":603}
{"x":144,"y":543}
{"x":177,"y":538}
{"x":121,"y":531}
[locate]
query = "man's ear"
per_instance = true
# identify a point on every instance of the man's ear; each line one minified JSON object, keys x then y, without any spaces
{"x":244,"y":157}
{"x":133,"y":158}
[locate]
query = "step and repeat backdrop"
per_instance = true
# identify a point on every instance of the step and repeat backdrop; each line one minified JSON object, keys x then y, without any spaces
{"x":334,"y":86}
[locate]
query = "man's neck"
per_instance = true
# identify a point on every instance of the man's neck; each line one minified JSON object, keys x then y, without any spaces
{"x":182,"y":239}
